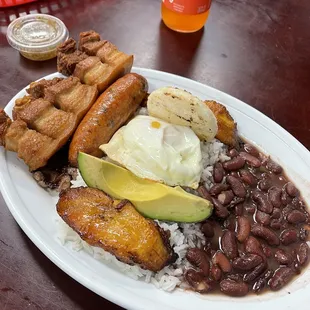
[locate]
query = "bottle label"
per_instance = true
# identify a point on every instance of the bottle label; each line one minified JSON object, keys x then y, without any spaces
{"x":190,"y":7}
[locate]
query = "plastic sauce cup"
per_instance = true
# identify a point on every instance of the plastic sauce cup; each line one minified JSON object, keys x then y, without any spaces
{"x":37,"y":36}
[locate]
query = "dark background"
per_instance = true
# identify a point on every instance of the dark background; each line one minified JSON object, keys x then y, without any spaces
{"x":257,"y":51}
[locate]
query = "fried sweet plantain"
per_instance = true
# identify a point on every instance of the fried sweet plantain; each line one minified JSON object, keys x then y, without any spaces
{"x":227,"y":128}
{"x":116,"y":227}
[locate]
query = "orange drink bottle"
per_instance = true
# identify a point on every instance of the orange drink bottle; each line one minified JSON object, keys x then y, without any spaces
{"x":185,"y":15}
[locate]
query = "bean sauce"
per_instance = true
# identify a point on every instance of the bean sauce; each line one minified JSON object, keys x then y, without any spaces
{"x":256,"y":240}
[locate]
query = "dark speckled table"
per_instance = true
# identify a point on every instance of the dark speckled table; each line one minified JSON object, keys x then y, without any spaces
{"x":257,"y":51}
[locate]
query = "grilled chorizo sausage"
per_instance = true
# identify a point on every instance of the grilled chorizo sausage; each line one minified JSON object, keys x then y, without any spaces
{"x":111,"y":110}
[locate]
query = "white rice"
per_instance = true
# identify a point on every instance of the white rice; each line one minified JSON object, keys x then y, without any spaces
{"x":182,"y":236}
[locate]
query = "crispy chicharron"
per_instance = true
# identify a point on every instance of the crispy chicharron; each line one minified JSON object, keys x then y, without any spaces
{"x":116,"y":227}
{"x":44,"y":123}
{"x":95,"y":62}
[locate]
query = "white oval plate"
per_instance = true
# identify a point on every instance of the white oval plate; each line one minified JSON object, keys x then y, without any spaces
{"x":34,"y":210}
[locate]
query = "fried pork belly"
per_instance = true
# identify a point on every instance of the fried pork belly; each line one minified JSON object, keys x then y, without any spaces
{"x":31,"y":146}
{"x":5,"y":123}
{"x":42,"y":126}
{"x":89,"y":36}
{"x":97,"y":62}
{"x":36,"y":89}
{"x":71,"y":96}
{"x":227,"y":128}
{"x":68,"y":57}
{"x":116,"y":227}
{"x":42,"y":116}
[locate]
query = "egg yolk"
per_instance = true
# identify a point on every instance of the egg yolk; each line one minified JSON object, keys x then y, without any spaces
{"x":155,"y":124}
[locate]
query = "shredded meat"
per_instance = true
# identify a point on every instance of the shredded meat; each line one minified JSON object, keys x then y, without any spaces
{"x":53,"y":179}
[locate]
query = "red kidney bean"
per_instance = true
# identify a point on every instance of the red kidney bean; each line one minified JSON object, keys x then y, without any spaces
{"x":273,"y":167}
{"x":268,"y":274}
{"x":216,"y":273}
{"x":287,"y":210}
{"x":233,"y":288}
{"x":261,"y":283}
{"x":264,"y":159}
{"x":222,"y":261}
{"x":303,"y":233}
{"x":265,"y":184}
{"x":303,"y":253}
{"x":229,"y":244}
{"x":276,"y":214}
{"x":274,"y":195}
{"x":272,"y":204}
{"x":218,"y":173}
{"x":296,"y":217}
{"x":230,"y":224}
{"x":262,"y":218}
{"x":250,"y":207}
{"x":235,"y":202}
{"x":251,"y":150}
{"x":291,"y":189}
{"x":234,"y":164}
{"x":254,"y":274}
{"x":236,"y":186}
{"x":298,"y":204}
{"x":233,"y":153}
{"x":247,"y":262}
{"x":234,"y":174}
{"x":253,"y":246}
{"x":208,"y":249}
{"x":234,"y":277}
{"x":280,"y":277}
{"x":296,"y":266}
{"x":248,"y":178}
{"x":251,"y":160}
{"x":207,"y":229}
{"x":283,"y":258}
{"x":285,"y":198}
{"x":265,"y":233}
{"x":276,"y":224}
{"x":197,"y":281}
{"x":288,"y":236}
{"x":199,"y":259}
{"x":220,"y":210}
{"x":239,"y":209}
{"x":243,"y":228}
{"x":226,"y":197}
{"x":218,"y":188}
{"x":203,"y":192}
{"x":263,"y":204}
{"x":266,"y":250}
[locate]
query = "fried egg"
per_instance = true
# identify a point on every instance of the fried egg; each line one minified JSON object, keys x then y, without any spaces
{"x":156,"y":150}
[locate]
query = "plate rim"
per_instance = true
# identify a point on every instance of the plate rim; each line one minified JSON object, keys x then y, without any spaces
{"x":109,"y":294}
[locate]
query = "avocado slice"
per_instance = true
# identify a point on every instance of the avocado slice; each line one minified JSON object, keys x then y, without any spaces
{"x":152,"y":199}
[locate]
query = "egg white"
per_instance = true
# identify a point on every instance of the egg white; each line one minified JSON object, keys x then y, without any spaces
{"x":153,"y":149}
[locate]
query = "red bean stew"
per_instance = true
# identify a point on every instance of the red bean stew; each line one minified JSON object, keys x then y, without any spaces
{"x":256,"y":237}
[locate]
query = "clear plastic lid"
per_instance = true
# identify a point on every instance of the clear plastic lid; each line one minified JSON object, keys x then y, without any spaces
{"x":36,"y":33}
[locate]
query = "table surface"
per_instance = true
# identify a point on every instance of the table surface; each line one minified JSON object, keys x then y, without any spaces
{"x":257,"y":51}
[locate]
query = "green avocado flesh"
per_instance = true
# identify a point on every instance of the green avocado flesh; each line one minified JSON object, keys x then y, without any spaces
{"x":152,"y":199}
